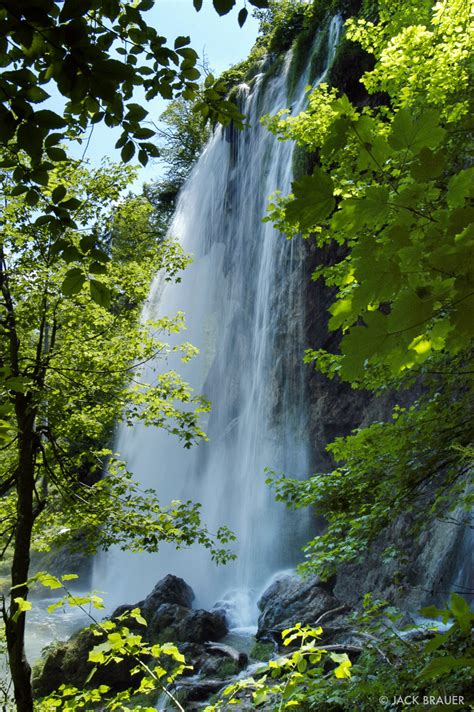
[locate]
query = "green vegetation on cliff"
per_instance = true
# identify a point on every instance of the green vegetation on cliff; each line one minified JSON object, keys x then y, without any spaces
{"x":393,"y":189}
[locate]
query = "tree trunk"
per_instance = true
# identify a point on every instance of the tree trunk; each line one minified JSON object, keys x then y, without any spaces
{"x":15,"y":624}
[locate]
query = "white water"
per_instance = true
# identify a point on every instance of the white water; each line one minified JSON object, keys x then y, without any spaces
{"x":243,"y":297}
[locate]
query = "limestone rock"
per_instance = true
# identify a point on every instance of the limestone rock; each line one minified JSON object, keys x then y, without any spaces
{"x":184,"y":625}
{"x":290,"y":600}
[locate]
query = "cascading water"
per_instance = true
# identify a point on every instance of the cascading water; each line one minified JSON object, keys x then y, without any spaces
{"x":243,"y":297}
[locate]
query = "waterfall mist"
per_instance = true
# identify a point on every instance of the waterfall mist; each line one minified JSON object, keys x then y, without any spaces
{"x":244,"y":301}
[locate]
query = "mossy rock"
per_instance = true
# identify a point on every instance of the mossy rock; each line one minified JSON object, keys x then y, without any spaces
{"x":350,"y":63}
{"x":228,"y":668}
{"x":262,"y":651}
{"x":68,"y":662}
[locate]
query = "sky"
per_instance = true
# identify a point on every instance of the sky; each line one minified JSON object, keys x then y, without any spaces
{"x":222,"y":41}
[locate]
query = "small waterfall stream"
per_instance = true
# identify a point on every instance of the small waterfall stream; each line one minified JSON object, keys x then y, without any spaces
{"x":243,"y":297}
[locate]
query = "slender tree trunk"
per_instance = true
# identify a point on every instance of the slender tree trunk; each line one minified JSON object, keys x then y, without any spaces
{"x":26,"y":509}
{"x":15,"y":624}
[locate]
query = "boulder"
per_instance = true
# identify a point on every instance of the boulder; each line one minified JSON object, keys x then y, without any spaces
{"x":68,"y":662}
{"x":290,"y":600}
{"x":241,"y":659}
{"x":170,"y":618}
{"x":171,"y":589}
{"x":199,"y":690}
{"x":173,"y":622}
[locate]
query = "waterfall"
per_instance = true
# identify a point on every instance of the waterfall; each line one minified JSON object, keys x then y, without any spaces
{"x":244,"y":301}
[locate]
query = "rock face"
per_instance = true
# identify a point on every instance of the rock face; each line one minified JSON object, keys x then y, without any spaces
{"x":173,"y":622}
{"x":170,"y":617}
{"x":291,"y":600}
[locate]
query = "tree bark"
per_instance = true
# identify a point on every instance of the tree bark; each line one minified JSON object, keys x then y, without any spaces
{"x":15,"y":623}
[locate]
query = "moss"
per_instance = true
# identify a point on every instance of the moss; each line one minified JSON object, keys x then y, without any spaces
{"x":350,"y":63}
{"x":165,"y":635}
{"x":320,"y":53}
{"x":246,"y":70}
{"x":228,"y":668}
{"x":262,"y":651}
{"x":301,"y":49}
{"x":283,"y":34}
{"x":302,"y":162}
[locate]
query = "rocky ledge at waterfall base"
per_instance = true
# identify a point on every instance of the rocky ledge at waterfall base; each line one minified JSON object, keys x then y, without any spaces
{"x":170,"y":617}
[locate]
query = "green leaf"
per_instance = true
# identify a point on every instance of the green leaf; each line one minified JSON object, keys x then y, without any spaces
{"x":22,"y":607}
{"x":8,"y":124}
{"x":461,"y":611}
{"x":356,"y":213}
{"x":460,"y":187}
{"x":428,"y":165}
{"x":71,"y":254}
{"x":343,"y":670}
{"x":136,"y":614}
{"x":136,"y":112}
{"x":444,"y":665}
{"x":127,"y":151}
{"x":59,"y":193}
{"x":99,"y":254}
{"x":432,"y":612}
{"x":73,"y":282}
{"x":31,"y":197}
{"x":181,"y":42}
{"x":439,"y":640}
{"x":75,"y":8}
{"x":100,"y":293}
{"x":40,"y":176}
{"x":71,"y":204}
{"x":242,"y":16}
{"x":151,"y":149}
{"x":188,"y":53}
{"x":36,"y":94}
{"x":111,"y":71}
{"x":142,"y":133}
{"x":191,"y":73}
{"x":260,"y":696}
{"x":87,"y":242}
{"x":302,"y":665}
{"x":313,"y":201}
{"x":49,"y":119}
{"x":30,"y":139}
{"x":223,"y":6}
{"x":56,"y":154}
{"x":197,"y":4}
{"x":342,"y":313}
{"x":97,"y":268}
{"x":413,"y":133}
{"x":48,"y":580}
